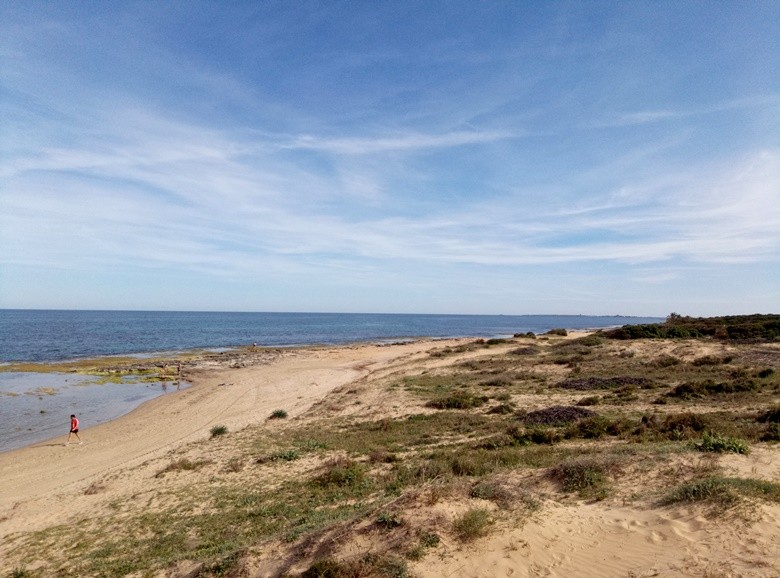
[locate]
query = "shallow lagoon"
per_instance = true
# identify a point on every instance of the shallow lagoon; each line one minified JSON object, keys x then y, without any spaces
{"x":36,"y":406}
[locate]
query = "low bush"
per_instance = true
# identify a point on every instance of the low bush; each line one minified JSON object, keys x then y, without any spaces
{"x":666,"y":361}
{"x":458,"y":400}
{"x":278,"y":414}
{"x":557,"y":415}
{"x":341,"y":472}
{"x":771,"y":415}
{"x":558,"y":331}
{"x":589,"y":400}
{"x":599,"y":426}
{"x":771,"y":434}
{"x":586,"y":383}
{"x":700,"y":389}
{"x":218,"y":430}
{"x":682,"y":426}
{"x":720,"y":444}
{"x":528,"y":350}
{"x":707,"y":360}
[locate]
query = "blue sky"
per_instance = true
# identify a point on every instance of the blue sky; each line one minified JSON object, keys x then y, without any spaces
{"x":442,"y":157}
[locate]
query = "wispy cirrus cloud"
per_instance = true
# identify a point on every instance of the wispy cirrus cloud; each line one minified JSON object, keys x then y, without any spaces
{"x":405,"y":142}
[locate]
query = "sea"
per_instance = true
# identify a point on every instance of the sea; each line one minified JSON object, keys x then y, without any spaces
{"x":35,"y":406}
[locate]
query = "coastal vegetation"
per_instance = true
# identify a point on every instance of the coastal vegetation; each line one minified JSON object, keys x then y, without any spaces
{"x":447,"y":450}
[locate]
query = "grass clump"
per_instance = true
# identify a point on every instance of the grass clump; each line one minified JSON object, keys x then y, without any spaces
{"x":720,"y":444}
{"x":426,"y":540}
{"x":722,"y":492}
{"x":218,"y":430}
{"x":599,"y":426}
{"x":182,"y":465}
{"x":280,"y":456}
{"x":341,"y":472}
{"x":389,"y":521}
{"x":587,"y":476}
{"x":472,"y":524}
{"x":534,"y":435}
{"x":278,"y":414}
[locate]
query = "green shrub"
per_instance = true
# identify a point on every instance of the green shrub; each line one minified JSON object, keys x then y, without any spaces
{"x":720,"y":444}
{"x":278,"y":414}
{"x":472,"y":524}
{"x":764,"y":373}
{"x":218,"y":430}
{"x":557,"y":331}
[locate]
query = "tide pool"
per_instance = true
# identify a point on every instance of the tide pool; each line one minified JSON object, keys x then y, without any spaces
{"x":37,"y":406}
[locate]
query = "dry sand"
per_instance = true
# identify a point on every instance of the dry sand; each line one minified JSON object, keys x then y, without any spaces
{"x":44,"y":485}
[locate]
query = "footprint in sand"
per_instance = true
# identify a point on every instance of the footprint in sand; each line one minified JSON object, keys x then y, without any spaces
{"x":656,"y":537}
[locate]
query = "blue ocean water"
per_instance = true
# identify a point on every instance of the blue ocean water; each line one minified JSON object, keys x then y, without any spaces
{"x":42,"y":335}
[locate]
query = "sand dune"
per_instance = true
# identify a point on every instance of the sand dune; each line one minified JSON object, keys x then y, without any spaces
{"x":48,"y":485}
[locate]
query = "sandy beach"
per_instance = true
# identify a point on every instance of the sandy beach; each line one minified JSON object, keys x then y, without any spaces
{"x":117,"y":472}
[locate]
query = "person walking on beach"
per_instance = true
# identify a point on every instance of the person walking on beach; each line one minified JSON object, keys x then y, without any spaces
{"x":74,"y":429}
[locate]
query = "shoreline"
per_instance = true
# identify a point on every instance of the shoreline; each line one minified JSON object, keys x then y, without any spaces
{"x":219,"y":394}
